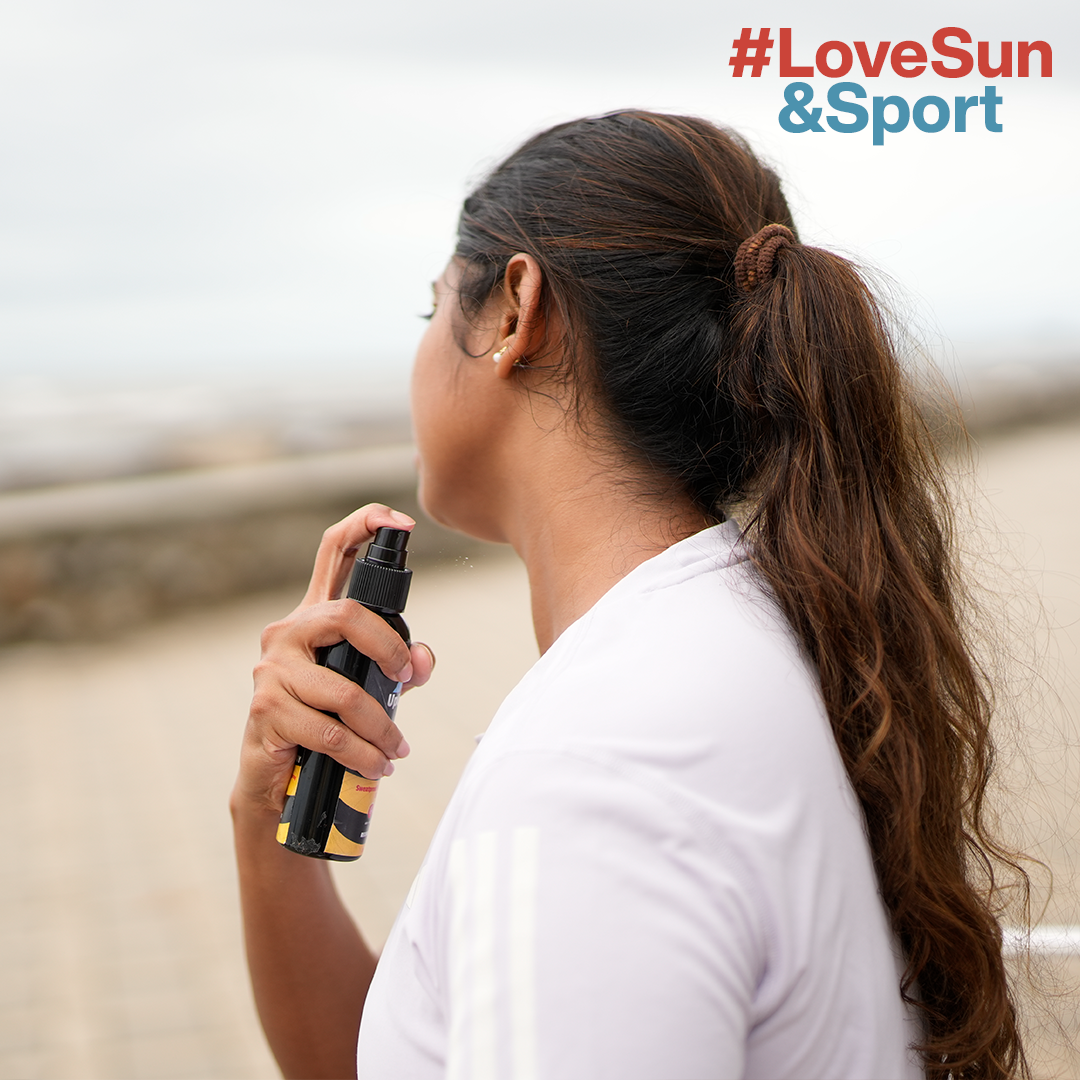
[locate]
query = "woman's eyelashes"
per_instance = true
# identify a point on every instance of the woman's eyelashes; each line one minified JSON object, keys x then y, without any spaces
{"x":434,"y":303}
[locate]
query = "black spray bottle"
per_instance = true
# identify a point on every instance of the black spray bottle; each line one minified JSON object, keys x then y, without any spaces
{"x":328,"y":807}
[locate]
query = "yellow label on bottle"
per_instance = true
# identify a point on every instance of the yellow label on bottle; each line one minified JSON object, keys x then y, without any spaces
{"x":293,"y":780}
{"x":283,"y":832}
{"x":358,"y":792}
{"x":338,"y":844}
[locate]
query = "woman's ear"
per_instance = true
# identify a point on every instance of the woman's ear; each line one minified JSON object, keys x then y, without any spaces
{"x":523,"y":324}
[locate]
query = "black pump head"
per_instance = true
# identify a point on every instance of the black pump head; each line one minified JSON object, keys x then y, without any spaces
{"x":388,"y":547}
{"x":380,"y":579}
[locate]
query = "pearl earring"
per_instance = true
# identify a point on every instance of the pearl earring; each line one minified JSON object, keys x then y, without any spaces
{"x":498,"y":356}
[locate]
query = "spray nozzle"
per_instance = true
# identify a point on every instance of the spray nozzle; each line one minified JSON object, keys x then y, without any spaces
{"x":388,"y":548}
{"x":380,"y":579}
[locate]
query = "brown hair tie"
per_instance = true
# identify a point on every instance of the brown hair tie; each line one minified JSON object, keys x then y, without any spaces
{"x":754,"y":261}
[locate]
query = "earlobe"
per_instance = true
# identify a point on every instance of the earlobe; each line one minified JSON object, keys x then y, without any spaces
{"x":524,"y":325}
{"x":506,"y":359}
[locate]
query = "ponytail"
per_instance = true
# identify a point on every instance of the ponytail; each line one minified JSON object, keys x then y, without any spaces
{"x":850,"y":527}
{"x":758,"y":373}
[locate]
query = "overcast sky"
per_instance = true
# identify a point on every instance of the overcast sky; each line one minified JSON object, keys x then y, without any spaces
{"x":205,"y":188}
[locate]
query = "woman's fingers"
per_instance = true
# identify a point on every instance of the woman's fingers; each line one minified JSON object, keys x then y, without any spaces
{"x":277,"y":724}
{"x":339,"y":545}
{"x":294,"y":695}
{"x":364,"y":739}
{"x":423,"y":664}
{"x":325,"y":691}
{"x":327,"y":623}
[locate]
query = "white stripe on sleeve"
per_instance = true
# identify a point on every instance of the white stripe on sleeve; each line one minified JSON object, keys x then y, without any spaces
{"x":488,"y":971}
{"x":523,"y":876}
{"x":483,"y":956}
{"x":458,"y":960}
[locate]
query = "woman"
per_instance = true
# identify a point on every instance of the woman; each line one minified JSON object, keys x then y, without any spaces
{"x":730,"y":823}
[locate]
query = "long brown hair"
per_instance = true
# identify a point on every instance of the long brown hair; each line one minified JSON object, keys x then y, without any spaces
{"x":788,"y":401}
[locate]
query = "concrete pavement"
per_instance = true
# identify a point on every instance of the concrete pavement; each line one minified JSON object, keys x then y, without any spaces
{"x":119,"y":932}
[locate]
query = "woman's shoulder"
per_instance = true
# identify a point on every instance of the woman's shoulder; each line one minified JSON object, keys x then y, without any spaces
{"x":687,"y":655}
{"x":668,"y":765}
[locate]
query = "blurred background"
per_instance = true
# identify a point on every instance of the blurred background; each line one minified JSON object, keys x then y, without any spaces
{"x":218,"y":225}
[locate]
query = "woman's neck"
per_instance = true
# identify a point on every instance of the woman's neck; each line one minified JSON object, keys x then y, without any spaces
{"x":580,"y":525}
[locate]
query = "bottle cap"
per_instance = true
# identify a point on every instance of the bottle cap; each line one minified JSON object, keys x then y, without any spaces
{"x":380,"y":579}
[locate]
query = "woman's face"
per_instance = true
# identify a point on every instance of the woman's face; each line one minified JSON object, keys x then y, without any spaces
{"x":459,"y":415}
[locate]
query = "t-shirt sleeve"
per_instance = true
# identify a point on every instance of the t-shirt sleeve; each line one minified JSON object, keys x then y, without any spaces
{"x":585,"y":926}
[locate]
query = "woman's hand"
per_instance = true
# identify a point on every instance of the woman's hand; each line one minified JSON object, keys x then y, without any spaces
{"x":293,"y":693}
{"x":310,"y":967}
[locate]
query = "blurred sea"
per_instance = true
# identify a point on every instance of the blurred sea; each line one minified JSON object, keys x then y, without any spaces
{"x":56,"y":429}
{"x":61,"y":427}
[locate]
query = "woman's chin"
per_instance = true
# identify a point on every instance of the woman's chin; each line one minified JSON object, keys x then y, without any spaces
{"x":440,"y":510}
{"x":450,"y":515}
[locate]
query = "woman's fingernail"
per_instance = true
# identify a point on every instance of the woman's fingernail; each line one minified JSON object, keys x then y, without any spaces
{"x":401,"y":518}
{"x":388,"y":768}
{"x":427,"y":649}
{"x":402,"y":750}
{"x":405,"y":674}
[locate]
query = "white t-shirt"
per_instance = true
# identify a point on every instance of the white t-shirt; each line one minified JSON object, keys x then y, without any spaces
{"x":653,"y":868}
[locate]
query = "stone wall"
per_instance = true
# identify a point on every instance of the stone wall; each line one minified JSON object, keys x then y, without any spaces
{"x":91,"y":559}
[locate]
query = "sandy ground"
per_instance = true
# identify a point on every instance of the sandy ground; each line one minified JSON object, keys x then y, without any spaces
{"x":119,"y":931}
